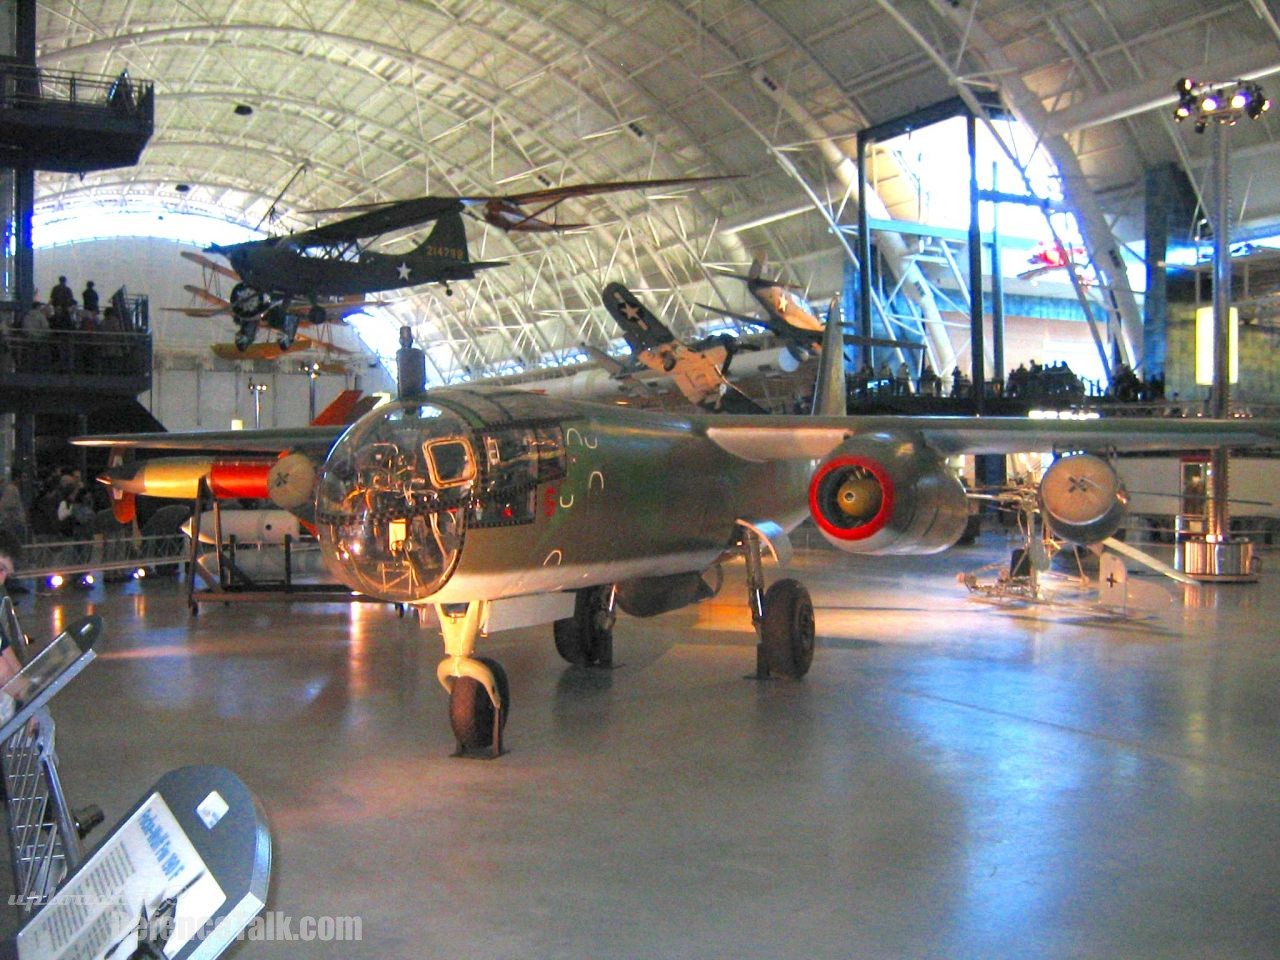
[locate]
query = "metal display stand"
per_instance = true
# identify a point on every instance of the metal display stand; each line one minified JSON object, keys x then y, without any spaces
{"x":44,"y":834}
{"x":232,"y":586}
{"x":179,"y":878}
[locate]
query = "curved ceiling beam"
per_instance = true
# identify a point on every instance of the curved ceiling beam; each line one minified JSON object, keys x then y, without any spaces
{"x":171,"y":35}
{"x":1105,"y":252}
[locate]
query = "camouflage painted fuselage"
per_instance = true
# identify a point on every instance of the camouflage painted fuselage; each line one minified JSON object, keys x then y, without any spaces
{"x":470,"y":495}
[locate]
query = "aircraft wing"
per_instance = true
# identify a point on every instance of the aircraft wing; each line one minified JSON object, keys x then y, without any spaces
{"x":556,"y":194}
{"x":274,"y":440}
{"x":379,"y":219}
{"x":202,"y":312}
{"x":810,"y":335}
{"x":793,"y":438}
{"x":207,"y":264}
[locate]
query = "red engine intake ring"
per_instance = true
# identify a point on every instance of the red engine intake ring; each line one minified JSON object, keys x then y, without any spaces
{"x":872,"y":526}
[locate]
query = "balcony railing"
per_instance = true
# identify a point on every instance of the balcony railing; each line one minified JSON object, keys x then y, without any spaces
{"x":22,"y":85}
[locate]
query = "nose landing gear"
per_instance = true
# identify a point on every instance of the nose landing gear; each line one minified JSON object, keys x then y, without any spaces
{"x":479,"y":695}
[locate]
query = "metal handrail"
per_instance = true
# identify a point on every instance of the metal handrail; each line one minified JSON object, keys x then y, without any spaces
{"x":27,"y":85}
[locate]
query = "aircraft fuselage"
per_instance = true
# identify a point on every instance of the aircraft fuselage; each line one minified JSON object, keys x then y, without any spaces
{"x":285,"y":270}
{"x":469,"y":495}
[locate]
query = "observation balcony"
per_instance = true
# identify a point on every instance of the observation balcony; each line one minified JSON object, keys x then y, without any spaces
{"x":80,"y":367}
{"x":72,"y":122}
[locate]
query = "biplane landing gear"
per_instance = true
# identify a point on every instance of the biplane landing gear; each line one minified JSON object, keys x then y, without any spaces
{"x":479,"y":695}
{"x":247,"y":333}
{"x":288,"y":329}
{"x":586,"y":638}
{"x":782,"y":616}
{"x":316,"y":315}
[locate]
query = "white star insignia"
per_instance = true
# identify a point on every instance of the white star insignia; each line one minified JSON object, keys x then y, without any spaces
{"x":403,"y":270}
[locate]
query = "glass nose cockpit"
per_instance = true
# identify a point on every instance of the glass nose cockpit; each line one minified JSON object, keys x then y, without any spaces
{"x":393,"y":498}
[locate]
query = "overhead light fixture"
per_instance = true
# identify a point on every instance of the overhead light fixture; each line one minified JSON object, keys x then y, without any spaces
{"x":1226,"y":103}
{"x":243,"y":110}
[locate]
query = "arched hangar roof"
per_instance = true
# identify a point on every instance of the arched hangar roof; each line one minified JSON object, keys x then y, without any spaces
{"x":388,"y":99}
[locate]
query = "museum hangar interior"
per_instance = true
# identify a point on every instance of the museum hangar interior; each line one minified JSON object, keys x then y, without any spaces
{"x":1019,"y":210}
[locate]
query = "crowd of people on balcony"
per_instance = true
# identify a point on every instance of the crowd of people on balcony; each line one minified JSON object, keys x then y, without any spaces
{"x":1033,"y":381}
{"x":49,"y":335}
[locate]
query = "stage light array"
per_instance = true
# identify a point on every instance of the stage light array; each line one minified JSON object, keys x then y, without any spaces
{"x":1205,"y":103}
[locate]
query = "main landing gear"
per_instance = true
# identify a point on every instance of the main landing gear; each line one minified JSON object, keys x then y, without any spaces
{"x":250,"y":305}
{"x":586,"y":638}
{"x":782,"y":616}
{"x":480,"y":697}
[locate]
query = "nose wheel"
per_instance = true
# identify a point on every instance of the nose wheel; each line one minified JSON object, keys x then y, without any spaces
{"x":479,"y":695}
{"x":476,"y":720}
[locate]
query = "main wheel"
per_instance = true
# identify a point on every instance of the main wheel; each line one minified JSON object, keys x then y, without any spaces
{"x":246,"y":301}
{"x":787,"y":629}
{"x":586,"y":639}
{"x":317,"y":314}
{"x":471,"y":711}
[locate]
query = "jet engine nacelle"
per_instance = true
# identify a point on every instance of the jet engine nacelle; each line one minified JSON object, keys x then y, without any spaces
{"x":887,"y":495}
{"x":1082,"y":499}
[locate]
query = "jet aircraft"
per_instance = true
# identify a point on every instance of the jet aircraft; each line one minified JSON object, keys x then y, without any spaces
{"x":501,"y":509}
{"x":334,"y":259}
{"x":789,"y":317}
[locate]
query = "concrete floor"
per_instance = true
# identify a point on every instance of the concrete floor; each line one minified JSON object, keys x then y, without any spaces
{"x":951,"y":780}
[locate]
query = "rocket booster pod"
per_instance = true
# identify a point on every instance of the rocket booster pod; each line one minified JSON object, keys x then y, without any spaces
{"x":179,"y":477}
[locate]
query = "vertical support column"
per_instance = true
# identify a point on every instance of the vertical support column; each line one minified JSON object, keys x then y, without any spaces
{"x":24,"y":452}
{"x":977,"y":345}
{"x":864,"y":253}
{"x":24,"y":189}
{"x":1220,"y":404}
{"x":1164,"y":188}
{"x":997,"y":290}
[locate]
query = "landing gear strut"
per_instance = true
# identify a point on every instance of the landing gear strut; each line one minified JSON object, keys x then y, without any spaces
{"x":247,"y":333}
{"x":586,"y":638}
{"x":279,"y":317}
{"x":479,"y":695}
{"x":782,"y":616}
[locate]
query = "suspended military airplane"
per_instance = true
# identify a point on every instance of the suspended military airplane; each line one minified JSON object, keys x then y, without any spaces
{"x":698,"y":370}
{"x":789,"y":316}
{"x":215,"y":305}
{"x":335,"y":311}
{"x":504,"y":508}
{"x":334,"y":260}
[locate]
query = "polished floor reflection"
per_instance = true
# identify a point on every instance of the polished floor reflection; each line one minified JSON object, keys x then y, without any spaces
{"x":951,"y":780}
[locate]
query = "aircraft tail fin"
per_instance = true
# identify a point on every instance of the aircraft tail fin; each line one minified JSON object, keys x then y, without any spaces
{"x":640,"y":328}
{"x":347,"y":407}
{"x":829,"y":399}
{"x":447,"y":239}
